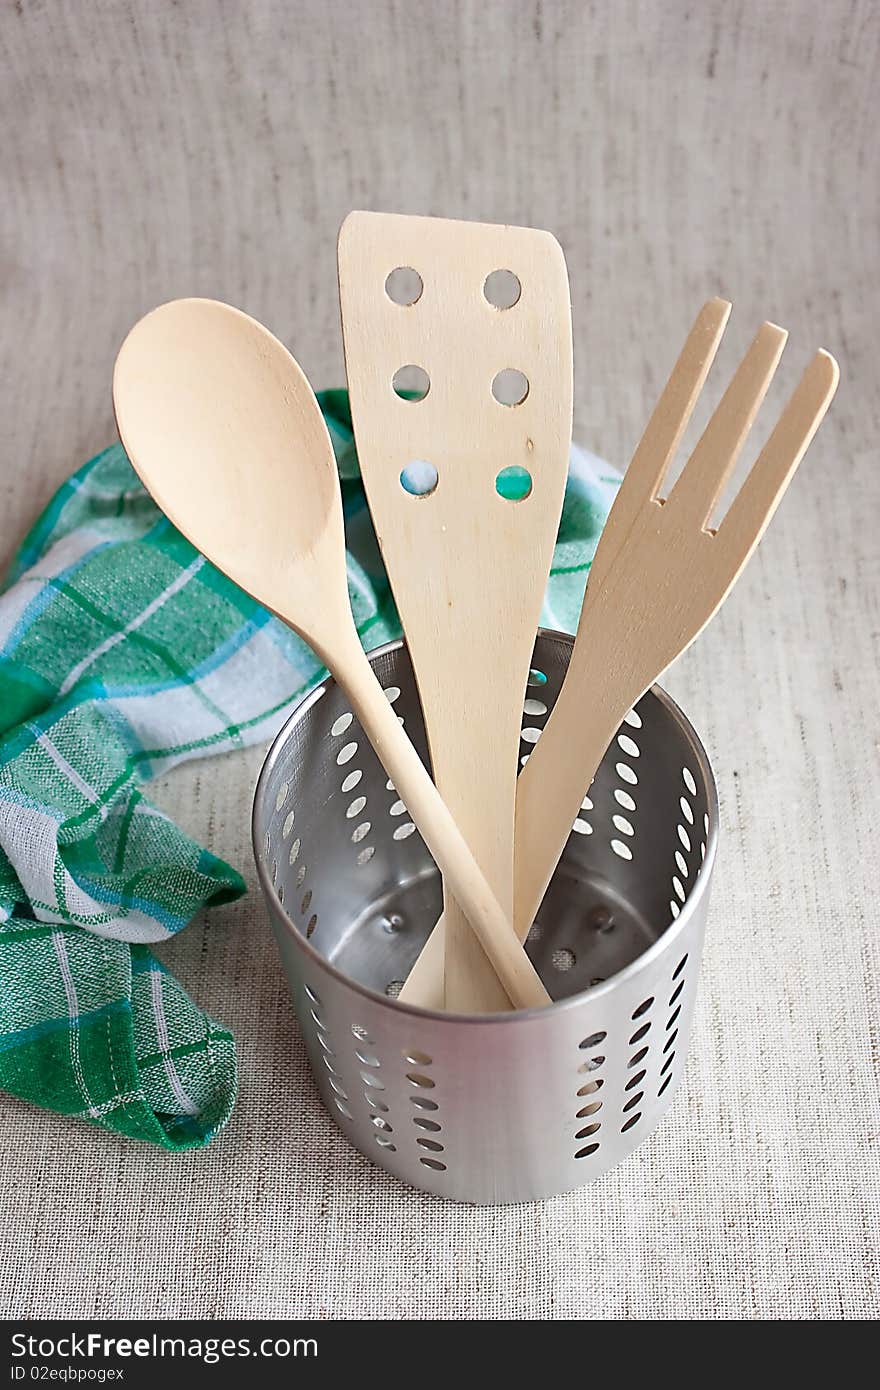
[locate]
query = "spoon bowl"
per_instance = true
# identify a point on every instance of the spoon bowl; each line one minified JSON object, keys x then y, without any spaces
{"x":223,"y":427}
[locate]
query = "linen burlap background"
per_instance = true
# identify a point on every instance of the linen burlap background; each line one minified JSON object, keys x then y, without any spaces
{"x":677,"y":150}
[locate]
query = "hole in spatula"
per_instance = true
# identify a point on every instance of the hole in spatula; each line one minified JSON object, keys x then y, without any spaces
{"x":502,"y":289}
{"x":404,"y":285}
{"x":510,"y":387}
{"x":513,"y":484}
{"x":411,"y":383}
{"x":419,"y":479}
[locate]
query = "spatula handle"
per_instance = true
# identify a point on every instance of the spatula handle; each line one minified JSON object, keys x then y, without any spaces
{"x":440,"y":832}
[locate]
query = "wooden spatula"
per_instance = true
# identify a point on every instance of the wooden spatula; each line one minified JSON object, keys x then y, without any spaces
{"x":659,"y":575}
{"x":461,"y":402}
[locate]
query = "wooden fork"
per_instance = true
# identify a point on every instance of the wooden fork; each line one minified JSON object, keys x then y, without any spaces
{"x":659,"y":575}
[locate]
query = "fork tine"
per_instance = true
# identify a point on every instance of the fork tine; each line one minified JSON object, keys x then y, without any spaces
{"x":749,"y":514}
{"x":672,"y":412}
{"x":701,"y":482}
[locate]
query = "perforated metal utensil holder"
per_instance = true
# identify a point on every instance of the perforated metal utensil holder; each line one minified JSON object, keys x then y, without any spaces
{"x":509,"y":1107}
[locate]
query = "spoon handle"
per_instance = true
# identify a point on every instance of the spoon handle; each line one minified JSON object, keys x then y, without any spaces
{"x":439,"y":831}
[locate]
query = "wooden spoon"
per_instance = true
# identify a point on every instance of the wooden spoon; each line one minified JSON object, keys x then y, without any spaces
{"x":225,"y":432}
{"x":660,"y":574}
{"x":467,"y":537}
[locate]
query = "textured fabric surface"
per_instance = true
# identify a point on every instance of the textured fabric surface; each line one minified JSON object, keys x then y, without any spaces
{"x":122,"y":653}
{"x":678,"y":151}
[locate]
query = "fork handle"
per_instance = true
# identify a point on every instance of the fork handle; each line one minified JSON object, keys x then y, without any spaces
{"x":554,"y":782}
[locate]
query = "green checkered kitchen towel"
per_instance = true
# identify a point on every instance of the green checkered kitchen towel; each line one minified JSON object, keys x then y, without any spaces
{"x":123,"y":652}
